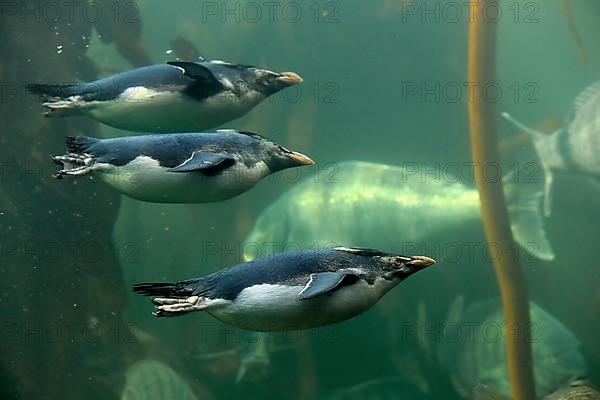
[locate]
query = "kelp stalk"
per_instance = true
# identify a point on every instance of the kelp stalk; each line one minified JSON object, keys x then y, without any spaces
{"x":484,"y":149}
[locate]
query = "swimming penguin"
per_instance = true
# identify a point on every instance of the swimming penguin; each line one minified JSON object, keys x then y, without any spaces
{"x":289,"y":291}
{"x":181,"y":167}
{"x":173,"y":97}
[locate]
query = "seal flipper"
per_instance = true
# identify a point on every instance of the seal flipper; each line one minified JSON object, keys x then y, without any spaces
{"x":323,"y":282}
{"x":526,"y":220}
{"x":210,"y":163}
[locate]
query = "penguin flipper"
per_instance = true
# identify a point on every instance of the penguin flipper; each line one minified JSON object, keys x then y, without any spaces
{"x":205,"y":83}
{"x":195,"y":71}
{"x":323,"y":282}
{"x":204,"y":161}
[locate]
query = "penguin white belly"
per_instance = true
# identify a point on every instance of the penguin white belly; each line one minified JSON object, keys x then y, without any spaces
{"x":141,"y":109}
{"x":144,"y":179}
{"x":272,"y":307}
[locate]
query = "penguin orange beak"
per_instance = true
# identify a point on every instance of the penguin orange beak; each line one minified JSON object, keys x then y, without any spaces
{"x":300,"y":158}
{"x":421,"y":261}
{"x":290,"y":78}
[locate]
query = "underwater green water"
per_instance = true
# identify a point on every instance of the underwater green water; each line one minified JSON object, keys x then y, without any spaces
{"x":384,"y":82}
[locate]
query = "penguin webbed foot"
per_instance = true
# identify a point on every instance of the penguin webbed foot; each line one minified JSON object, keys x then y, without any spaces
{"x":73,"y":165}
{"x":55,"y":113}
{"x":170,"y":307}
{"x":59,"y":107}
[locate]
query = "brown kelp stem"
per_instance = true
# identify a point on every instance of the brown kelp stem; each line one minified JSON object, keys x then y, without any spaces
{"x":484,"y":149}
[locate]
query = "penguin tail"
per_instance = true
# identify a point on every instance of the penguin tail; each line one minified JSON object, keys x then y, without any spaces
{"x":172,"y":299}
{"x":80,"y":144}
{"x":54,"y":91}
{"x":164,"y":289}
{"x":61,"y":100}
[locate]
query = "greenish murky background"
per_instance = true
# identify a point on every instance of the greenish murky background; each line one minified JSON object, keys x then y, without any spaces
{"x":360,"y":62}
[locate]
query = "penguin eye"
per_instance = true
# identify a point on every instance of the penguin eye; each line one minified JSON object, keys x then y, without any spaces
{"x":398,"y":261}
{"x":283,"y":149}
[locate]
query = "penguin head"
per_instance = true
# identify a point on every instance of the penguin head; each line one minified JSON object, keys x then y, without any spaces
{"x":387,"y":265}
{"x":278,"y":157}
{"x":401,"y":267}
{"x":269,"y":82}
